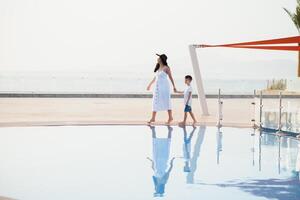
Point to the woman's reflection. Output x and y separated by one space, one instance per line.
160 159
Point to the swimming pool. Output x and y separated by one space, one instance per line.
139 162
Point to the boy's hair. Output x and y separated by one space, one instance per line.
189 77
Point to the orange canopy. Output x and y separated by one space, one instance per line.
264 44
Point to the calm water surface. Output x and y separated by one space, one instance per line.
139 162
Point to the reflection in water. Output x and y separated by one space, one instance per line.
286 157
219 138
279 153
297 166
279 189
290 154
79 167
273 188
187 148
253 147
195 156
259 150
160 159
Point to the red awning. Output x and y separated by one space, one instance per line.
263 44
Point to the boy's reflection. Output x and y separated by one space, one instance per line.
161 154
195 155
191 159
187 148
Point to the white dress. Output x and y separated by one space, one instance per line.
161 93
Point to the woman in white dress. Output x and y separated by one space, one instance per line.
162 93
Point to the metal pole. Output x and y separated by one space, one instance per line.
254 110
280 112
198 79
220 107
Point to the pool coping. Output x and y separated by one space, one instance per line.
120 95
115 123
6 198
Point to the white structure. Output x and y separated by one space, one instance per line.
198 79
293 85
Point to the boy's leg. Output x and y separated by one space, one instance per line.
184 119
193 117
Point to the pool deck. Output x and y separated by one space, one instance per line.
237 112
5 198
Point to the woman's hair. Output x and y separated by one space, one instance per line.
163 59
156 67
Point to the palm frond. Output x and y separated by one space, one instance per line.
295 17
289 12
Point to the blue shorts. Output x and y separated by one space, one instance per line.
187 108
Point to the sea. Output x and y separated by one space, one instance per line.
111 83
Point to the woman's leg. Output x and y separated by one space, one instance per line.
170 116
170 129
153 117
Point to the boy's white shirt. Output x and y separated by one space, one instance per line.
186 93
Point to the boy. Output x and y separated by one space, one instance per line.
187 93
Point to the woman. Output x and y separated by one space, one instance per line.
162 93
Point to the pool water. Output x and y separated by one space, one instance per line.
140 162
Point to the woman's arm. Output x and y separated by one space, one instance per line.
171 165
152 163
150 84
179 92
168 71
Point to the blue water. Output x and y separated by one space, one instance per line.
139 162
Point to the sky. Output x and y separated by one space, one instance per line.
117 36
